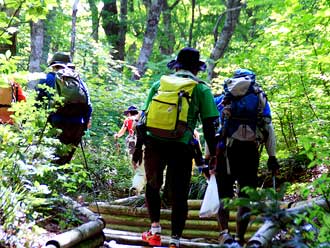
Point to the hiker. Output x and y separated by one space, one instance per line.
128 126
73 117
169 146
243 131
8 95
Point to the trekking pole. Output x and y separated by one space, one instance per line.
89 176
274 180
40 137
42 132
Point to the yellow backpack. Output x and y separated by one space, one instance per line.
166 116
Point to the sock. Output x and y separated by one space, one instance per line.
155 229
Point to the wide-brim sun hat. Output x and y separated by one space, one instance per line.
189 59
60 59
131 109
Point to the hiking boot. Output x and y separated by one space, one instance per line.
133 191
152 239
225 238
174 242
239 241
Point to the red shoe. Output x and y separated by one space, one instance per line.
152 239
174 242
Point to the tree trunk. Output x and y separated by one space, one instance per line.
95 19
149 38
95 30
191 28
122 29
222 40
110 25
168 40
37 43
73 28
48 27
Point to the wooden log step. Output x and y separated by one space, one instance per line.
95 241
136 200
187 233
73 237
143 212
137 221
124 239
190 224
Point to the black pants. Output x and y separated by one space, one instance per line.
68 119
178 159
243 165
71 134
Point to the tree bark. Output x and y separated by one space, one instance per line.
222 40
191 28
168 40
95 20
110 24
95 31
122 30
149 38
73 28
48 24
37 43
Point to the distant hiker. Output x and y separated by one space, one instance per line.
73 116
246 125
9 94
174 105
128 126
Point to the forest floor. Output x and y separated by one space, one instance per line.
35 236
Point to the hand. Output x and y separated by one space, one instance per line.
137 157
273 165
89 124
213 164
115 135
135 165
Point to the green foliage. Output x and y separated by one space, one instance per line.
298 228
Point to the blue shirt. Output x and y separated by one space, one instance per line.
50 82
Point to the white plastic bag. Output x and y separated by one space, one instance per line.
211 202
139 179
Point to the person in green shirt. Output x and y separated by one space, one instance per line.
176 154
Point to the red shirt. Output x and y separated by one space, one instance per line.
129 124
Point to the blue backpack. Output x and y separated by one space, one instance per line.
244 104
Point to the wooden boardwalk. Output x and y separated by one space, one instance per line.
125 224
117 238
